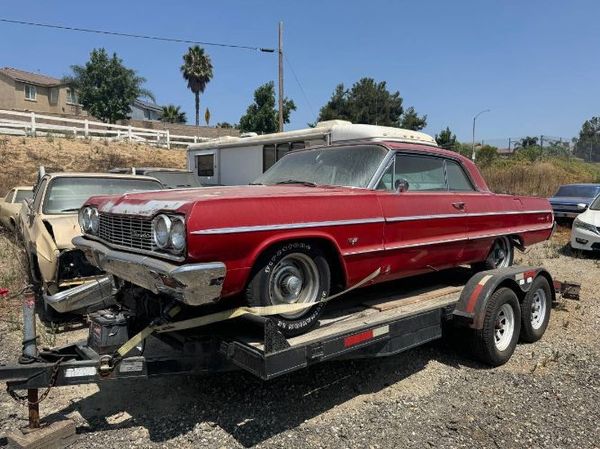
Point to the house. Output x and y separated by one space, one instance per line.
144 110
26 91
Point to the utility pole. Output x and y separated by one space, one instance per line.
280 76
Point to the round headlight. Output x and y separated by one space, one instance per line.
162 230
85 219
177 238
94 221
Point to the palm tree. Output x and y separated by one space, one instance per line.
172 114
197 70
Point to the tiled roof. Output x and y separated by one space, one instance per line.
31 78
147 105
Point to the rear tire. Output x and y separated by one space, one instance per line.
535 310
496 341
291 273
501 255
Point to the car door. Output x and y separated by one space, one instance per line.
489 215
33 209
425 225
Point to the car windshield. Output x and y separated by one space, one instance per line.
175 179
575 191
23 195
352 166
67 194
596 204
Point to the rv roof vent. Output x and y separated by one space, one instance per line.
327 123
248 135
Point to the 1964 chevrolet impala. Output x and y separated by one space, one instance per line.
319 221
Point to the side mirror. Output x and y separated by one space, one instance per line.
582 206
401 185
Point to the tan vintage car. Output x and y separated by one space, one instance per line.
11 204
49 223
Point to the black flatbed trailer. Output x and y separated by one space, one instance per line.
371 322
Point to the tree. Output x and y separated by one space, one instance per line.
486 155
261 116
370 103
445 139
527 142
587 145
207 116
225 125
173 114
105 87
197 70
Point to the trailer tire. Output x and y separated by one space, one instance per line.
496 341
291 273
535 310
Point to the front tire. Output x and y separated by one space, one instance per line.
496 341
291 273
535 310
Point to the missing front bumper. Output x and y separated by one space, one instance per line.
192 284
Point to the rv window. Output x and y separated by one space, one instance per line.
297 145
268 157
205 164
282 149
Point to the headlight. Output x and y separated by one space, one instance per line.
577 223
162 230
177 237
85 218
94 221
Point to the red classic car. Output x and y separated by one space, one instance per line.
320 220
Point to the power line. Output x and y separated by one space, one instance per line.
135 36
300 85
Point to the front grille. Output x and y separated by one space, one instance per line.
122 230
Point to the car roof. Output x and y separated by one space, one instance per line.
23 188
97 175
582 184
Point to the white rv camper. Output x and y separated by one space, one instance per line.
240 160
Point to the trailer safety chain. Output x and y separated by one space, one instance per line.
164 323
24 400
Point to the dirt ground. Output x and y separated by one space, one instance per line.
548 395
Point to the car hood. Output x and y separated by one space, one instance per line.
182 200
591 217
570 200
64 229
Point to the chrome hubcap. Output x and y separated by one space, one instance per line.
294 279
504 327
501 253
538 308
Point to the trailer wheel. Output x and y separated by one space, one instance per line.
291 273
535 310
495 342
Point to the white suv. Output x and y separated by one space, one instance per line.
585 234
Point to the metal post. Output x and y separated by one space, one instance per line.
34 408
30 350
475 118
33 124
280 76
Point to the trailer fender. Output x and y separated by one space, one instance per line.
470 309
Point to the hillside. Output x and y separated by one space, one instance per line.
23 156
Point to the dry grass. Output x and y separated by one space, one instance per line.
13 277
540 178
23 156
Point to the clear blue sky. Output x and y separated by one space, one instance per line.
535 63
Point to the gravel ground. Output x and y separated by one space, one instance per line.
548 395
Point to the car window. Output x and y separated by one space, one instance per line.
596 204
23 195
578 191
9 196
67 194
457 178
423 173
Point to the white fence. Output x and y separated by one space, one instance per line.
33 124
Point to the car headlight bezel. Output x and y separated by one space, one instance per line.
161 231
578 223
85 219
177 235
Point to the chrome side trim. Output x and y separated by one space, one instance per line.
277 227
465 214
440 242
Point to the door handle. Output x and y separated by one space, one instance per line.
459 205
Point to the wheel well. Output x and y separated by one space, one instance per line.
334 259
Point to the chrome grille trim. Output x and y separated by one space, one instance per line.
126 231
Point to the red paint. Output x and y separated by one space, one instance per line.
355 339
473 298
408 246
